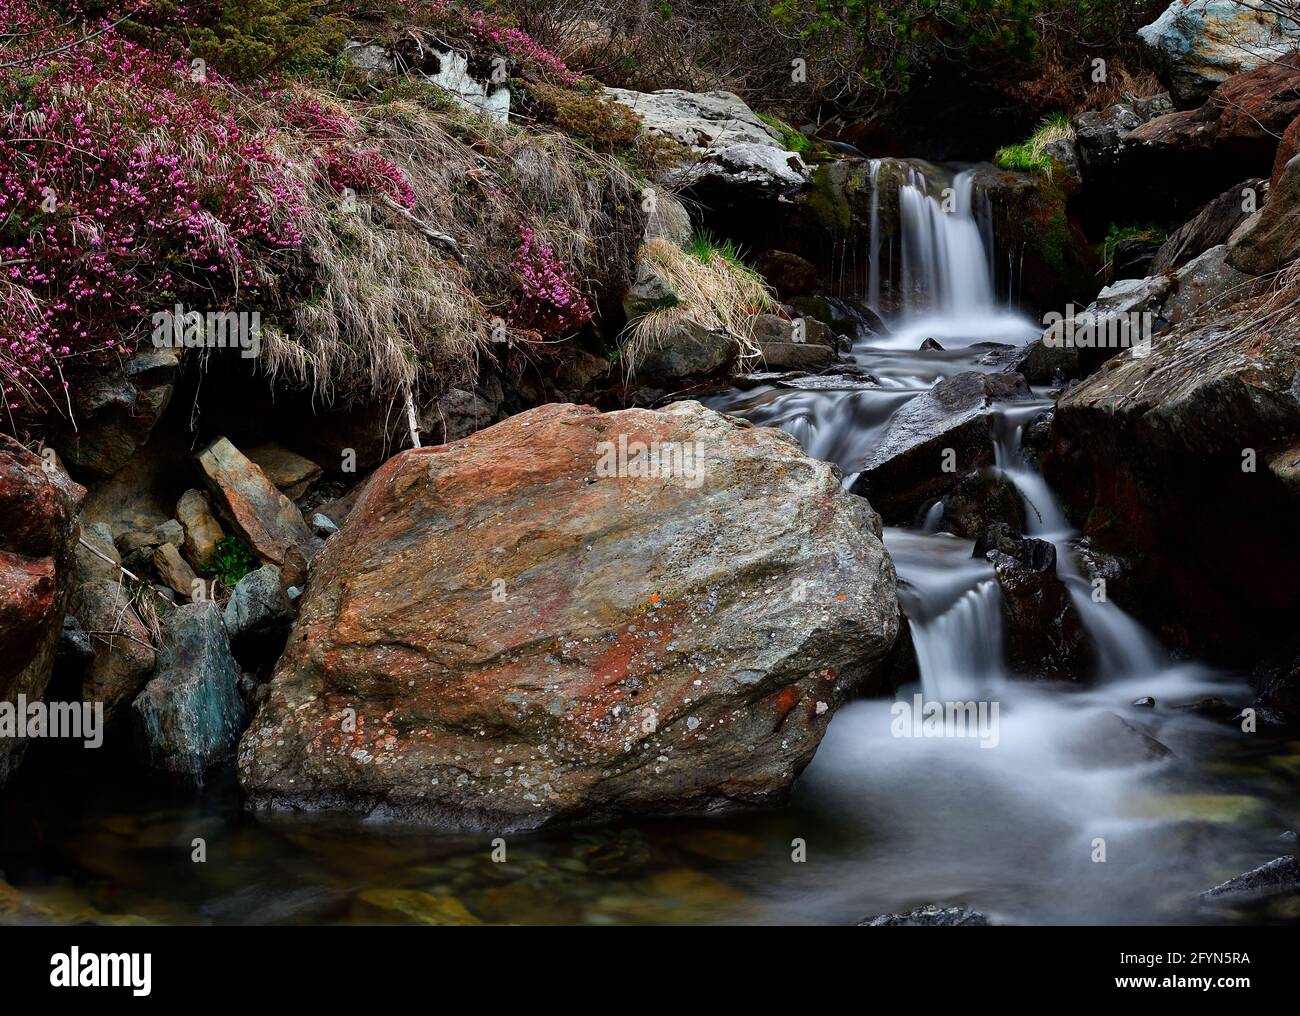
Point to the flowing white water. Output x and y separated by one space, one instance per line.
1014 827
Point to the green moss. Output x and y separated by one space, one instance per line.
828 200
794 140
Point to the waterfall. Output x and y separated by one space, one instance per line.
1008 820
873 289
946 261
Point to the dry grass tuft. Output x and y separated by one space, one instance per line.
714 289
399 300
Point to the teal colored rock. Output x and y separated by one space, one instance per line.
189 716
1200 44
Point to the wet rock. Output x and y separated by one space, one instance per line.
265 518
1108 741
932 441
202 530
795 355
189 716
1278 680
38 538
529 631
409 906
931 344
291 473
1282 874
1211 226
1212 706
1032 214
1273 240
1041 363
121 643
1145 702
978 500
1186 433
1199 44
931 916
1043 634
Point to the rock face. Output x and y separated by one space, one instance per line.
1195 432
1036 227
263 516
734 150
528 626
1171 165
1272 241
38 538
1201 43
1210 227
934 440
116 413
190 715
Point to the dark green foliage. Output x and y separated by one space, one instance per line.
248 38
231 561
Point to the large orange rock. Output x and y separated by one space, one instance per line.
38 538
526 626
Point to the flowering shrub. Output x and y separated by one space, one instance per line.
494 33
123 188
551 301
367 172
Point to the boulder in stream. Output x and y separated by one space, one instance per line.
574 615
1043 634
933 441
931 916
190 715
1178 460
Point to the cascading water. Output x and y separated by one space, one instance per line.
1011 828
946 264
